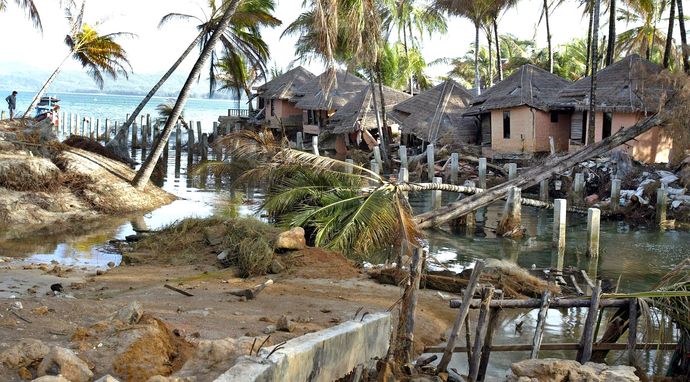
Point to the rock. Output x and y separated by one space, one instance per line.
160 378
224 258
51 378
25 374
61 361
213 356
149 349
291 240
106 378
214 235
130 314
591 199
41 310
110 265
17 305
276 267
558 370
23 354
285 325
270 329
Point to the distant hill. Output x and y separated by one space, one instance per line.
25 78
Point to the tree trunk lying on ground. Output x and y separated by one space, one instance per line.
534 175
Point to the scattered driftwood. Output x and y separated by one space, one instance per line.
251 293
20 317
180 291
534 175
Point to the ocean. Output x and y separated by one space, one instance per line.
116 107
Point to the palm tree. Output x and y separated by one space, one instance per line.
645 38
237 76
243 36
683 36
669 34
142 176
545 16
593 87
611 45
29 7
498 7
476 11
98 54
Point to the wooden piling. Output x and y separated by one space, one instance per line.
482 173
148 128
315 145
480 333
135 135
403 156
107 130
559 220
404 177
349 168
587 339
541 321
69 125
454 168
374 166
632 331
578 188
190 144
512 171
488 341
377 156
217 148
593 218
430 161
198 133
544 190
99 136
78 126
3 115
512 213
461 316
615 194
661 205
178 139
437 195
299 141
62 123
552 145
204 147
89 122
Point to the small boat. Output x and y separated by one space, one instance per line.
48 108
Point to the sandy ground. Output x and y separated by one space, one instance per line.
212 313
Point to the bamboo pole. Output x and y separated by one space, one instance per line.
462 315
539 330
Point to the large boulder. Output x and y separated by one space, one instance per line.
61 361
130 314
51 378
291 240
559 370
24 353
213 357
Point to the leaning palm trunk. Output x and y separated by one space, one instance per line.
548 34
142 177
45 86
476 59
683 37
611 47
669 35
122 133
593 86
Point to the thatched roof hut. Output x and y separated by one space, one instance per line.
528 86
310 96
435 113
284 86
361 108
632 84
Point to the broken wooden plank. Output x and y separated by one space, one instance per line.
180 291
541 321
251 293
480 334
587 339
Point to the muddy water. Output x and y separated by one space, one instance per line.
634 257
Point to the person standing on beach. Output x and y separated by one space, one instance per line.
12 103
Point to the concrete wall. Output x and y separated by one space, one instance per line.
521 131
322 356
654 146
560 131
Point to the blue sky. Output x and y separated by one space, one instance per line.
154 50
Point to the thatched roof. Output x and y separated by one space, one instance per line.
361 108
529 85
629 85
310 96
433 113
284 86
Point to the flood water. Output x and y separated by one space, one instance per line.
635 258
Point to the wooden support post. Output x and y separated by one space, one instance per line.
461 317
541 320
89 124
593 217
144 134
544 190
204 147
480 333
488 341
107 130
512 214
217 148
80 126
62 123
559 217
99 135
578 188
135 135
552 145
315 145
615 194
190 144
69 125
410 295
198 134
482 173
349 168
403 156
404 177
430 161
300 141
374 165
632 331
3 115
587 340
178 139
454 168
661 205
377 157
512 171
437 195
148 127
